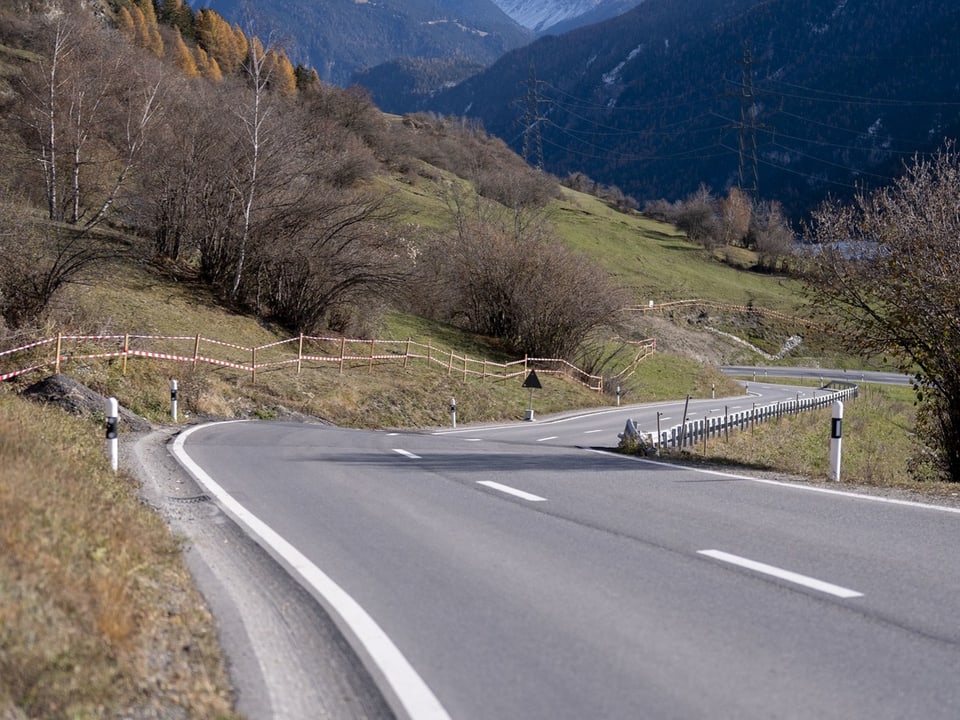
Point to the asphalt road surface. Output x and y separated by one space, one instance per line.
852 376
517 572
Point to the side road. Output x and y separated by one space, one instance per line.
287 660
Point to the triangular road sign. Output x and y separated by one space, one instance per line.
532 381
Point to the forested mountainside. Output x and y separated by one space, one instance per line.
798 99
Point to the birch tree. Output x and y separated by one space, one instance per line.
87 117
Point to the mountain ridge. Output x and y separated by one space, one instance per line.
664 98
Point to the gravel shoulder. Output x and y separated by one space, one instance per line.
286 658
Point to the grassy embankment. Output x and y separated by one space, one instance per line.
878 447
98 614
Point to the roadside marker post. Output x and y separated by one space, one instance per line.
836 433
453 412
173 399
113 411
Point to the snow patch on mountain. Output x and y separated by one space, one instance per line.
540 14
613 76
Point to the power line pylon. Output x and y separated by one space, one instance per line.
532 138
747 126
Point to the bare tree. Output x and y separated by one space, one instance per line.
526 289
343 252
88 106
771 235
254 117
735 214
88 112
182 196
886 272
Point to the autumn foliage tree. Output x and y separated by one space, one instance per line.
886 274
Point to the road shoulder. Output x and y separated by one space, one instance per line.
285 656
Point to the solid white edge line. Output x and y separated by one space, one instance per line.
403 688
780 483
511 491
789 576
406 454
552 437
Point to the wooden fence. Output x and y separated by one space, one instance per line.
303 352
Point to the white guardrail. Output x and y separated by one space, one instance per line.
694 432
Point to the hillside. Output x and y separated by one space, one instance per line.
832 96
347 206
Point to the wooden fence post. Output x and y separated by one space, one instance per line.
300 355
126 349
450 364
56 362
464 368
370 366
253 365
343 343
196 351
406 355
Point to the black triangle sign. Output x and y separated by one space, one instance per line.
532 381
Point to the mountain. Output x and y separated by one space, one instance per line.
404 84
796 98
340 37
602 10
401 85
553 16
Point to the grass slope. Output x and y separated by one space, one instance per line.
98 615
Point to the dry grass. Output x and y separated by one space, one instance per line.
98 616
877 442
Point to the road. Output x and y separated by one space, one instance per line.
513 572
854 376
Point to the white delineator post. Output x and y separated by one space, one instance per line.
453 412
113 411
836 432
173 399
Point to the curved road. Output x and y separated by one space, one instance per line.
513 572
761 372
